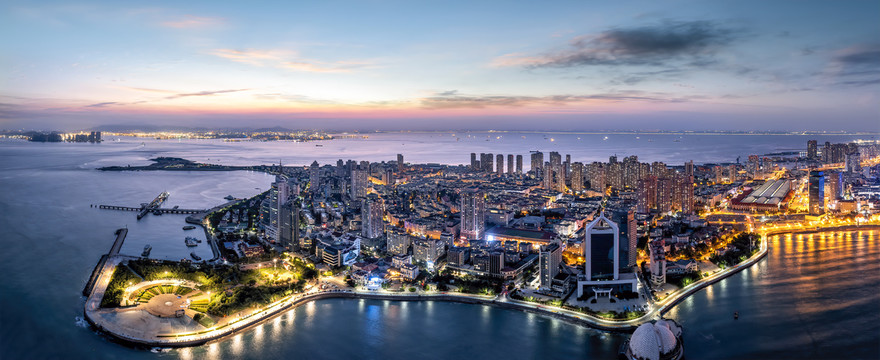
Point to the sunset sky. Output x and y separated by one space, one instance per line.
580 65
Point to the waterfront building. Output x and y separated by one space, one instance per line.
519 164
817 192
510 164
474 162
547 180
338 252
409 272
499 167
427 251
548 264
473 214
770 196
397 241
372 224
812 149
400 166
602 265
656 340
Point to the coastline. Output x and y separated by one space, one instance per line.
573 317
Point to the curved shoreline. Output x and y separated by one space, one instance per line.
569 316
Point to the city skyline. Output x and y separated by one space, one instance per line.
669 66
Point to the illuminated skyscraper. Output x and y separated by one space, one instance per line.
359 183
473 214
314 177
372 225
817 192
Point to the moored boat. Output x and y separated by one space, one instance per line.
147 249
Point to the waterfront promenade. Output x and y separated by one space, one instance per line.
187 334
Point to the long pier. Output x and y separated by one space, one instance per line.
161 210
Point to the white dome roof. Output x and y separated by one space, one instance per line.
650 340
643 343
665 339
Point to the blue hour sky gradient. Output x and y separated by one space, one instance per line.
580 65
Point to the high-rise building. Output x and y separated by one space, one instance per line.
547 180
487 161
314 177
812 149
597 177
659 169
826 152
685 193
457 256
817 192
473 214
427 251
289 233
496 262
853 162
372 224
400 167
646 195
835 186
519 164
537 164
359 183
510 164
631 169
624 217
474 165
577 177
615 175
601 250
689 168
719 174
397 241
657 248
548 263
499 167
665 189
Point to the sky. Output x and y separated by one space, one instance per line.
442 65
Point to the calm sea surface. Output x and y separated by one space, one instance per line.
814 296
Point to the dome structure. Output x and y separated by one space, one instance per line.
655 341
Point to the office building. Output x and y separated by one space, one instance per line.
397 241
817 192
